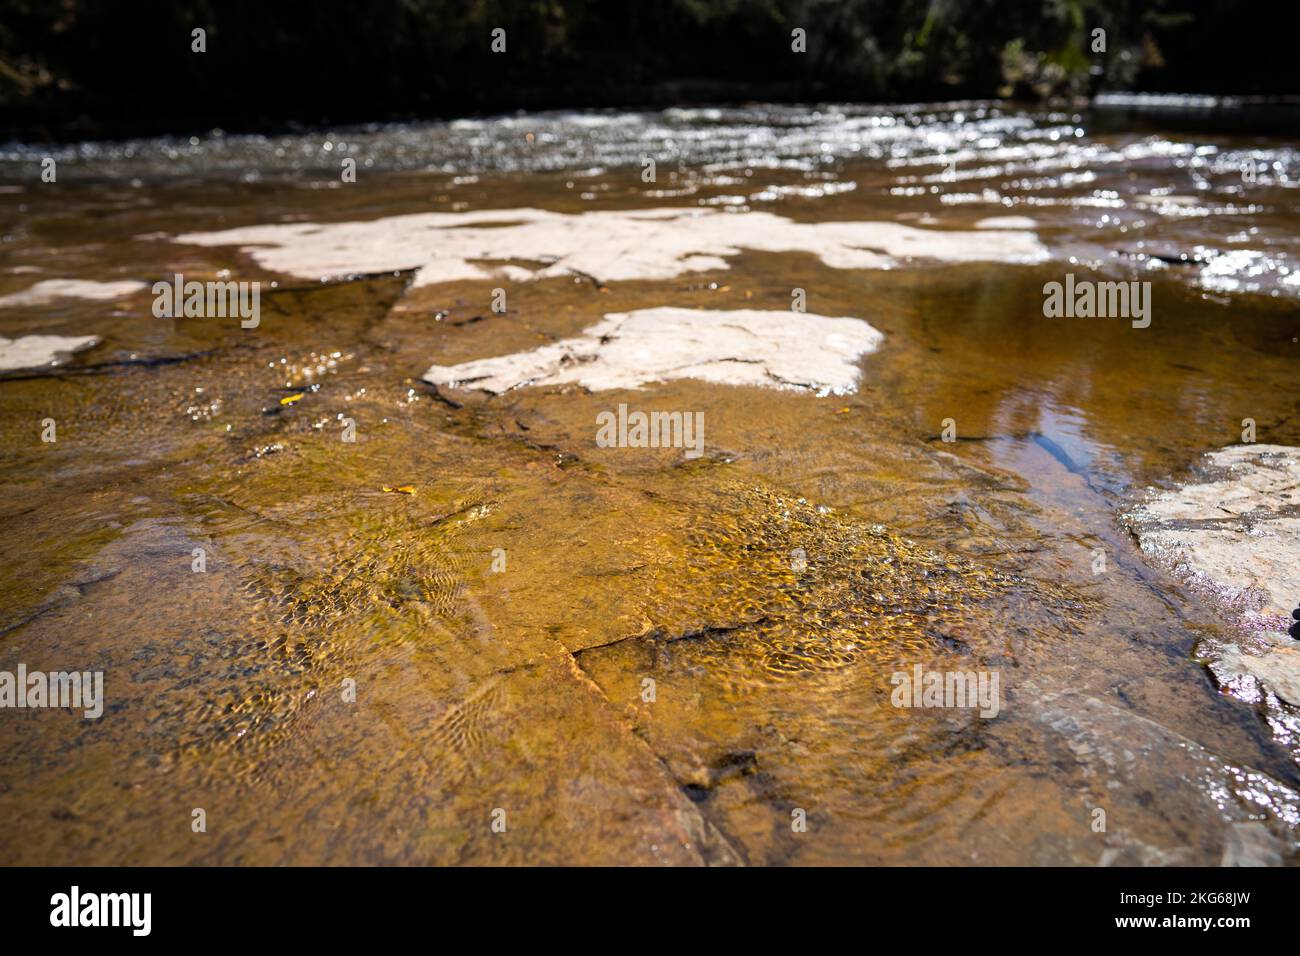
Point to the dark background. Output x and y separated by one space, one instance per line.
94 68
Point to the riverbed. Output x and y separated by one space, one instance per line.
366 587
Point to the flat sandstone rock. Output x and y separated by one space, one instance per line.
1234 537
41 351
630 349
51 289
610 245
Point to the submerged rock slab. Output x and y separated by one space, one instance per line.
1237 813
609 245
52 289
630 349
41 351
1234 537
777 586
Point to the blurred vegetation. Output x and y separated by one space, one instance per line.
81 67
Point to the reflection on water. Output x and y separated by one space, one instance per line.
1112 200
501 617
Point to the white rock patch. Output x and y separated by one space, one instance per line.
609 245
1235 538
1006 222
40 351
631 349
1240 531
51 289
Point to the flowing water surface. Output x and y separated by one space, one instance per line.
638 656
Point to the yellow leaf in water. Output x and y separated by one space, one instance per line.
400 489
843 411
290 399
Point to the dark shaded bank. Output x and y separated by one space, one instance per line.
92 68
1153 113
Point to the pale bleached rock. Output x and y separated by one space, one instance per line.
1006 222
1236 533
49 290
609 245
41 351
1273 664
631 349
1234 537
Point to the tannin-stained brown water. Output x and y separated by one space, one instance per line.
473 614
